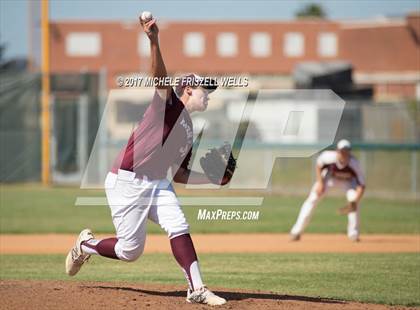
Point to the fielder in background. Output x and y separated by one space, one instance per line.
335 169
137 189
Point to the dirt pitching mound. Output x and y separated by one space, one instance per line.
72 295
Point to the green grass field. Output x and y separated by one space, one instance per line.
33 209
374 278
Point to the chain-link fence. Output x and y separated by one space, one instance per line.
20 133
391 171
385 135
74 110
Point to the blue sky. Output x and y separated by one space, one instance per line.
14 13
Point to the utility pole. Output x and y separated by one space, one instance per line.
45 100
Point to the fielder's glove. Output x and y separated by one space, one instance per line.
350 207
219 164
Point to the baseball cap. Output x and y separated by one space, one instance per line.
194 80
343 144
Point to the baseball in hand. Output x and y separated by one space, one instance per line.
146 16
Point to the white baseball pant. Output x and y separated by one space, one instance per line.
313 199
132 201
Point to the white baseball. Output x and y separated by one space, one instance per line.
146 16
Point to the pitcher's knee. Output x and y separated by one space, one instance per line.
178 231
130 255
128 252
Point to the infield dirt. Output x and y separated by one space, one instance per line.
228 243
118 296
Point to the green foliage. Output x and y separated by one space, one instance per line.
311 10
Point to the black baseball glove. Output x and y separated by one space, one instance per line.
219 164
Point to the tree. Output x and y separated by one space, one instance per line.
311 10
2 51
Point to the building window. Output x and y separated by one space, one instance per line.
294 44
227 44
83 44
327 44
194 44
143 45
260 44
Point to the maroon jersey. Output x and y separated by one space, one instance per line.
161 139
328 161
